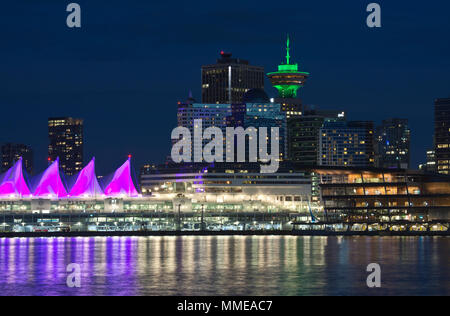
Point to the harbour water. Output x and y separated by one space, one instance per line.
228 265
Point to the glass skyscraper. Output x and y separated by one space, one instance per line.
11 154
211 115
347 144
392 144
442 134
66 142
303 135
229 79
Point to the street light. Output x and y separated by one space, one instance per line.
202 228
179 215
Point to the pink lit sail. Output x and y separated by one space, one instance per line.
121 183
86 184
13 183
50 184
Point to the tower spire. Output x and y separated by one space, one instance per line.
288 79
288 56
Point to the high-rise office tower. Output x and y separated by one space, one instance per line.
226 81
348 144
442 134
211 115
257 111
12 152
287 80
430 165
392 144
66 142
303 135
431 161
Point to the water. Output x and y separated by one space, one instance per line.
225 265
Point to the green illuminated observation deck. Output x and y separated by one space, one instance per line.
288 79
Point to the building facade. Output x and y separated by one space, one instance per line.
260 112
347 144
293 107
385 199
229 79
303 135
174 197
431 161
392 143
268 115
255 111
66 142
11 154
211 115
222 197
442 134
231 187
430 164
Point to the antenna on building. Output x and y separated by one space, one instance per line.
288 56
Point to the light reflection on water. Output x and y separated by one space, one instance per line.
250 265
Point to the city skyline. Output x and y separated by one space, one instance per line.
373 80
225 154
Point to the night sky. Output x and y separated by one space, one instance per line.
131 61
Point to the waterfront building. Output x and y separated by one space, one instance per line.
228 80
147 168
231 187
442 134
50 184
86 183
11 154
121 183
347 144
303 135
66 142
53 185
381 199
392 144
220 197
174 197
